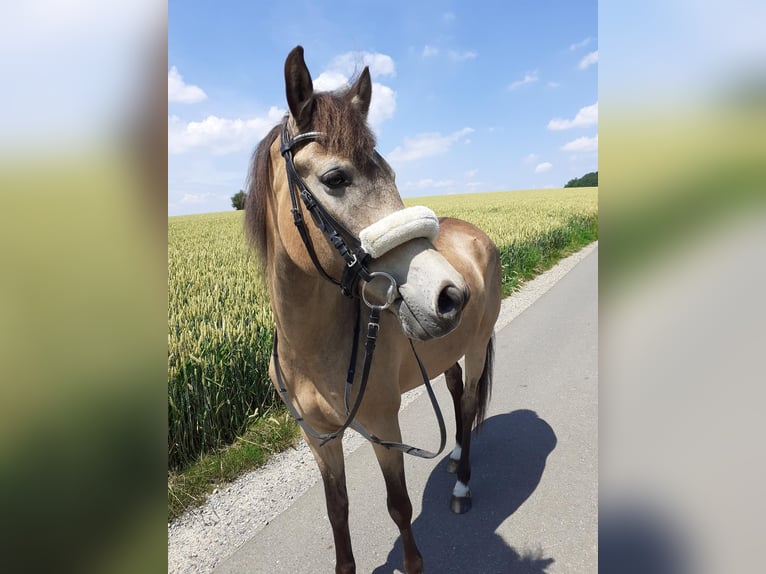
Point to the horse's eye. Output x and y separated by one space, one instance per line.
335 178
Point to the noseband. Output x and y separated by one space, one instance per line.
373 241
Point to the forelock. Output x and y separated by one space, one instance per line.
344 127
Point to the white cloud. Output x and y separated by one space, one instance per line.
471 173
543 167
553 84
583 144
180 91
383 104
337 76
580 44
454 55
428 183
529 78
426 145
457 56
226 135
448 16
531 158
220 135
351 62
589 59
194 198
587 116
329 81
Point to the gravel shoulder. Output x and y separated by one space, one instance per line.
199 539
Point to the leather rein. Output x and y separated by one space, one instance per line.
356 258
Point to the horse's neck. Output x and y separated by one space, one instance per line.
310 312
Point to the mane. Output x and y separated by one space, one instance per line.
346 134
258 186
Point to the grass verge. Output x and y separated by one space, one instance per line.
523 261
269 434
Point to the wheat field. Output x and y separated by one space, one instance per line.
220 324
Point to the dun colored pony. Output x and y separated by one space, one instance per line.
315 186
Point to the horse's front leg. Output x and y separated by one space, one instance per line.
398 500
329 457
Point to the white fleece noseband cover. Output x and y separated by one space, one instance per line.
397 228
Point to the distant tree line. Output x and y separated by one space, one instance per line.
588 180
238 200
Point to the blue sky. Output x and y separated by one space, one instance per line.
467 97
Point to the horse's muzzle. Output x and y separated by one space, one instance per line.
424 320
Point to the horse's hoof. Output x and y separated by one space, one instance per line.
460 504
414 567
452 465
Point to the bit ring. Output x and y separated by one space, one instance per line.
390 292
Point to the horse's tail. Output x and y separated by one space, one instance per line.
484 391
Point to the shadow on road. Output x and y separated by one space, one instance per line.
638 536
508 458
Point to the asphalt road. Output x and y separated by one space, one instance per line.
534 465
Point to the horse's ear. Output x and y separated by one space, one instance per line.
300 88
360 94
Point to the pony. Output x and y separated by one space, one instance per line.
323 212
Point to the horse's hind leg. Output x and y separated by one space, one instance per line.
473 403
332 468
398 500
454 377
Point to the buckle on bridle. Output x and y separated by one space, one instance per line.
390 292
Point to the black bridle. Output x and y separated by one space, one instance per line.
346 243
356 259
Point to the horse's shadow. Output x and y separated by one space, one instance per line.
508 458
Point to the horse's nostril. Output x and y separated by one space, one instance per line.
450 300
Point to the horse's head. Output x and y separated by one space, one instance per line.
327 140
